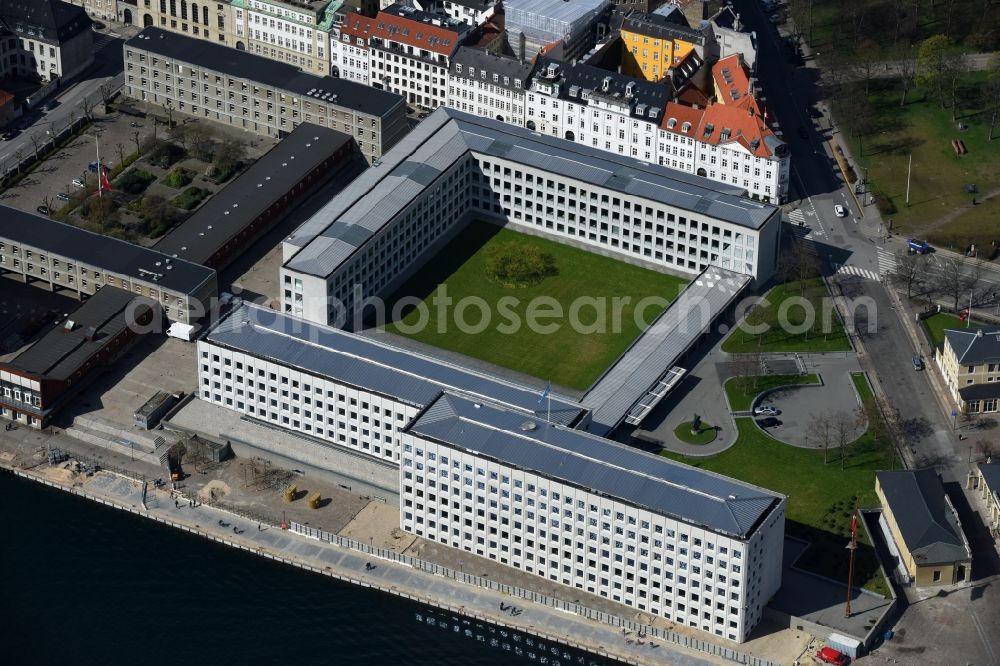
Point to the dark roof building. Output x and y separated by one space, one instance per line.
924 526
975 346
660 26
249 206
40 379
50 21
472 64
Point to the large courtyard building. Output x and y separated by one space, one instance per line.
339 388
57 256
699 549
455 168
268 98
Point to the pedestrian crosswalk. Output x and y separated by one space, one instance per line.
844 269
806 220
886 262
797 217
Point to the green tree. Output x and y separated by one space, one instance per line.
518 264
157 212
933 58
228 156
102 210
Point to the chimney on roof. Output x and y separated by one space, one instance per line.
521 46
979 333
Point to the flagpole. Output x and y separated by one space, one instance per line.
99 172
548 413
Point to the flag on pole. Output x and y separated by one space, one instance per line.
963 315
103 183
545 393
854 524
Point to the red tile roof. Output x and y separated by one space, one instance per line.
732 79
436 39
745 127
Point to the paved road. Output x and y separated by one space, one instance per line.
107 67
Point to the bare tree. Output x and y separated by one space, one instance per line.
986 448
820 434
843 433
869 55
956 68
120 147
87 106
138 145
35 143
954 278
907 71
908 271
168 106
19 156
47 202
106 93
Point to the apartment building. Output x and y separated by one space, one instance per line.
49 39
408 52
489 85
596 108
106 10
57 256
342 389
268 98
654 44
970 363
696 548
454 167
209 20
295 32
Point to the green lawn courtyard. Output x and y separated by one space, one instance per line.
797 303
582 285
821 496
935 325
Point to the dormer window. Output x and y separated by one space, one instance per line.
458 68
671 123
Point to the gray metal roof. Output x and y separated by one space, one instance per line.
265 182
483 61
113 255
551 16
371 365
926 521
373 200
58 354
973 346
663 26
598 465
991 473
265 71
642 97
657 350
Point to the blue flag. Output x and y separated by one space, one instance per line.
545 393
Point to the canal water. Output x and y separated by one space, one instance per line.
81 583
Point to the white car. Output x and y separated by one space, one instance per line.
766 410
840 211
78 183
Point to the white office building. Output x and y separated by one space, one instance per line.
454 168
337 388
696 548
294 32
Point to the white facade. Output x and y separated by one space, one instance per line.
419 76
486 100
349 57
656 563
293 33
471 12
317 406
732 163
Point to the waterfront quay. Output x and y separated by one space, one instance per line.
352 557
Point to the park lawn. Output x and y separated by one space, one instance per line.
741 398
706 435
939 176
566 357
820 496
862 386
935 325
826 334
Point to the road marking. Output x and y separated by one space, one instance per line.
886 262
984 638
844 269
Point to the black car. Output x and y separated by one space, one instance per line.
803 134
44 210
769 422
10 134
97 25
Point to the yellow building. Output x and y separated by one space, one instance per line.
653 44
970 363
924 527
986 479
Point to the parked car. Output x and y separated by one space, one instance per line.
97 25
918 363
43 210
831 656
10 134
767 410
62 196
918 246
78 183
840 211
769 422
51 105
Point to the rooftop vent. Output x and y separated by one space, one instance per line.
529 426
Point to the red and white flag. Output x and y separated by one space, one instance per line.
104 184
